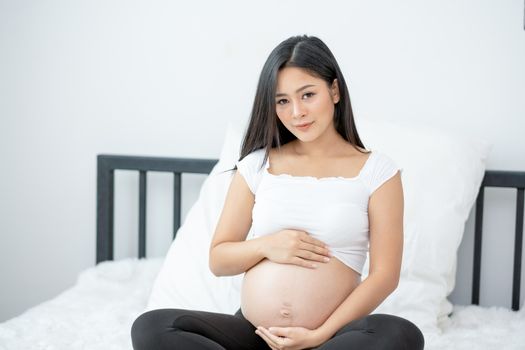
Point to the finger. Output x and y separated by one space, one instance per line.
279 341
308 255
280 331
309 239
304 263
315 248
265 337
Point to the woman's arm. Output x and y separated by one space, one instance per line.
231 254
385 212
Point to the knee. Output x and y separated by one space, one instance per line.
400 331
145 330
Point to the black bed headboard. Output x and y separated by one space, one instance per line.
107 164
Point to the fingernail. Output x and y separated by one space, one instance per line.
326 259
314 266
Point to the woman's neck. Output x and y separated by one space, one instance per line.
320 148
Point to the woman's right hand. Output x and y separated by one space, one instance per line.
295 247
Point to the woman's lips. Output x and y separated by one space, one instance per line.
304 127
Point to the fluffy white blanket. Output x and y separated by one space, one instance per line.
97 313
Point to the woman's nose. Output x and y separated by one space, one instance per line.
298 110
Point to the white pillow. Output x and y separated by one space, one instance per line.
442 172
441 176
185 280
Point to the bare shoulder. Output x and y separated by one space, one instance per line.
353 160
280 154
358 151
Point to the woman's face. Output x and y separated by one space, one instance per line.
302 98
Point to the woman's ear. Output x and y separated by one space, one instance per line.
335 91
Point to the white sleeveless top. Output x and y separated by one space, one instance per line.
331 209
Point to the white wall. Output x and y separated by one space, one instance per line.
79 78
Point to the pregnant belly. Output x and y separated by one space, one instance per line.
284 295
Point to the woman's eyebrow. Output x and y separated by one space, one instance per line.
296 91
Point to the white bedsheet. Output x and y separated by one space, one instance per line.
97 313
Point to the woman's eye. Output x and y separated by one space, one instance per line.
284 101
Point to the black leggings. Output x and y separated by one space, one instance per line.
173 329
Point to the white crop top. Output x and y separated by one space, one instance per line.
331 209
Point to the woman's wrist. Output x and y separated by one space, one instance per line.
320 336
260 250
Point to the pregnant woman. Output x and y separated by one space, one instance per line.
306 203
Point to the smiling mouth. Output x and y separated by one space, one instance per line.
303 125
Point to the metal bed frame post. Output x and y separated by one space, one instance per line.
105 190
505 179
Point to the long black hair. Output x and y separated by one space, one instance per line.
311 54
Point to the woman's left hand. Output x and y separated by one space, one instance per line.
289 338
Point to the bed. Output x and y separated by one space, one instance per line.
98 311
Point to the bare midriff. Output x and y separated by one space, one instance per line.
281 295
